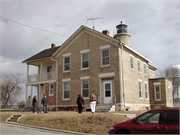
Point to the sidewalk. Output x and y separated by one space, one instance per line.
128 115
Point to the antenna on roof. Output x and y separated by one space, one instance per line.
92 19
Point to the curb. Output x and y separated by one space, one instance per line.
44 128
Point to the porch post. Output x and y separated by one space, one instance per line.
27 72
31 91
26 94
40 74
39 95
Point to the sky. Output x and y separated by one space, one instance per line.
154 27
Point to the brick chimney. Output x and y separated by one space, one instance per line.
53 45
106 32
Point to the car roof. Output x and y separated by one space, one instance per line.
167 108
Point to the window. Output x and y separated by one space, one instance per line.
169 91
157 91
66 63
51 89
170 117
132 63
49 72
146 91
140 90
105 57
139 66
145 69
85 88
149 117
66 90
85 60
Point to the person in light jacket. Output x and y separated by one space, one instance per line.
93 99
44 101
80 103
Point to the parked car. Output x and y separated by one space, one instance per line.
155 121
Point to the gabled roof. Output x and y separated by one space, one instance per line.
94 32
43 54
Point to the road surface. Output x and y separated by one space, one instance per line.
13 129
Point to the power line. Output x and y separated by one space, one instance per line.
32 26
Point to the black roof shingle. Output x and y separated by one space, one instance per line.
43 54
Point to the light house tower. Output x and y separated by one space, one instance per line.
123 34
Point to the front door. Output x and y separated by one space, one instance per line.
107 92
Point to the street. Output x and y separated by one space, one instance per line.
13 129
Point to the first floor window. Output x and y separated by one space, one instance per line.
140 90
157 92
51 90
85 88
66 90
146 91
105 57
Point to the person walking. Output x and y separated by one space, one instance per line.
44 101
35 103
93 99
80 103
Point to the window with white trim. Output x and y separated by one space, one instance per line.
139 66
51 89
157 91
49 72
66 90
85 60
140 89
66 63
169 91
145 69
105 57
132 62
146 91
85 88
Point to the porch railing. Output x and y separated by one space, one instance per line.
113 100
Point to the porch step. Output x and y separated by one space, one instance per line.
102 108
14 118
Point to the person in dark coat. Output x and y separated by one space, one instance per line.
44 101
35 103
80 103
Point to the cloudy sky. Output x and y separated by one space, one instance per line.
154 26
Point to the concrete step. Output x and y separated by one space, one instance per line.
14 118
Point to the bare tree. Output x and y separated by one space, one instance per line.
11 88
21 104
172 73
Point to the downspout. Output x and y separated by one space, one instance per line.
122 76
56 83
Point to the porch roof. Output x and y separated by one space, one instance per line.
43 54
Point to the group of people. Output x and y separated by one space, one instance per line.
44 101
92 99
80 103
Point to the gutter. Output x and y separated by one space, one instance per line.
56 82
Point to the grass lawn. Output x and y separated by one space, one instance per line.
86 122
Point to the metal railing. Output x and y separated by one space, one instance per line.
113 100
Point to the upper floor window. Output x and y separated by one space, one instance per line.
132 62
139 66
145 72
85 60
105 57
49 72
51 89
85 88
66 63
